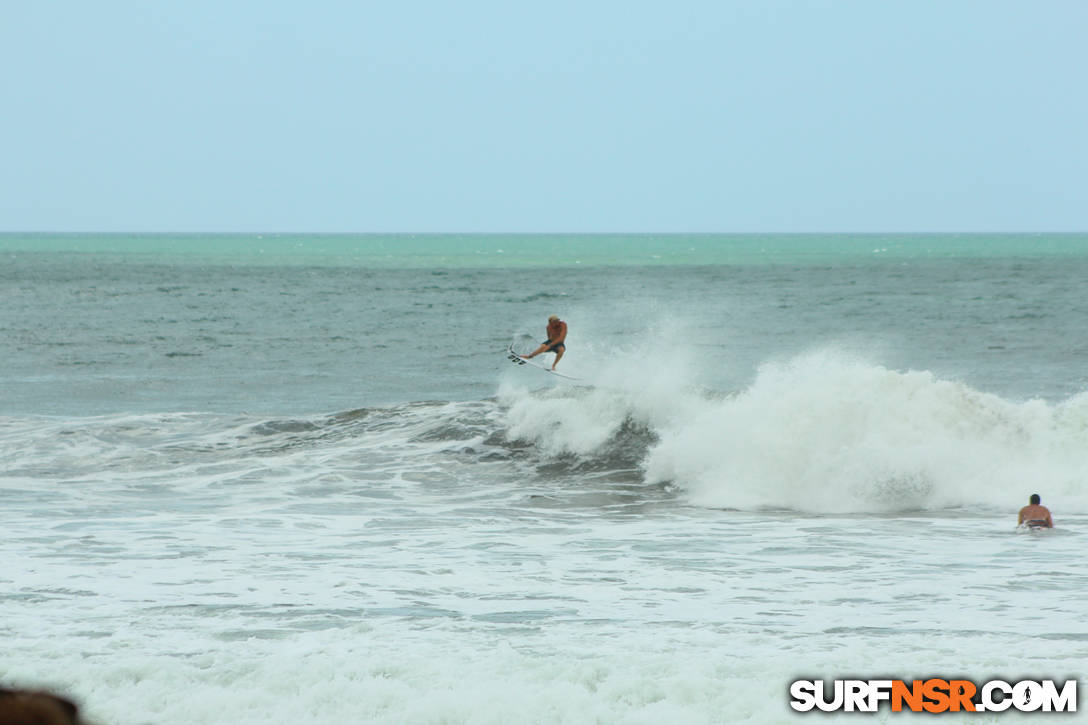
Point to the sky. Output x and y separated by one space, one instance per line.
724 116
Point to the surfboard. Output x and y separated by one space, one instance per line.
519 360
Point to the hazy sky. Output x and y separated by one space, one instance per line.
413 116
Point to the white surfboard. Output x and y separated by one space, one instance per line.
1026 529
519 360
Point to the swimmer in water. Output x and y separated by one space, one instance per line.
1035 515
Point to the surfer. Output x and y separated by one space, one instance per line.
1035 515
557 333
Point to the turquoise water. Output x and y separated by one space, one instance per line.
499 250
292 325
98 324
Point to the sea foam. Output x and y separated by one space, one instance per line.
823 432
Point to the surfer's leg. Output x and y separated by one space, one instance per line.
559 350
543 348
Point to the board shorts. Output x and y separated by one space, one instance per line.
1037 524
553 347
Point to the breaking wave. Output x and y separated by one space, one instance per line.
822 433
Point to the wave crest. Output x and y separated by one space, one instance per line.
826 433
822 433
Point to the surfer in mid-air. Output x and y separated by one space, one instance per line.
557 333
1035 515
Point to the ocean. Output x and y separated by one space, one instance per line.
294 479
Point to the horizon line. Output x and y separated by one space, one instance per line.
976 232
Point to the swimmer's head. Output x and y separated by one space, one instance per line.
1035 499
